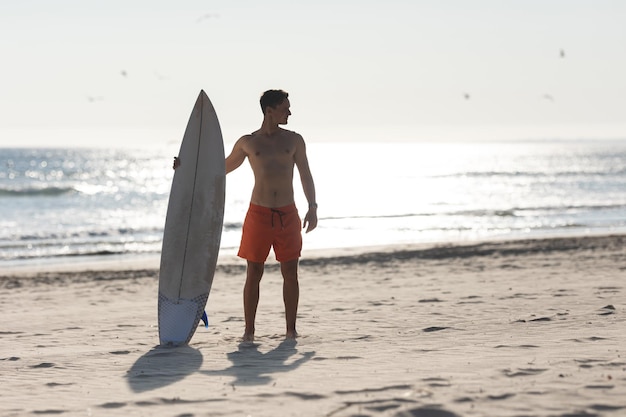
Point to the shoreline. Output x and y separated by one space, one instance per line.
229 255
148 265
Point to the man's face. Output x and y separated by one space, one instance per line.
281 112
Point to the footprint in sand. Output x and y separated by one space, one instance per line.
437 382
112 405
607 310
44 365
434 329
500 397
426 412
522 372
430 300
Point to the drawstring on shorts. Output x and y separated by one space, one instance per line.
280 217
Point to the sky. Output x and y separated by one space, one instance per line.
121 72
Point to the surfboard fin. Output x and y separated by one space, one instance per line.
205 320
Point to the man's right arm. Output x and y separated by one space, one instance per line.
232 161
236 157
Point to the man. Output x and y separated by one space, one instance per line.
272 219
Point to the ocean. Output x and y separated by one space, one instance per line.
59 204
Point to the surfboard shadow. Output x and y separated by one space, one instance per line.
253 367
163 366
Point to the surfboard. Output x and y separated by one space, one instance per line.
193 227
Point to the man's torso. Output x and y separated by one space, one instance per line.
272 161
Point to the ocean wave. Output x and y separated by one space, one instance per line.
15 239
122 234
48 246
22 256
566 208
46 191
506 212
534 174
229 226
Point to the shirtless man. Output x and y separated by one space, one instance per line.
272 219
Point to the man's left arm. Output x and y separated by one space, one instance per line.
308 186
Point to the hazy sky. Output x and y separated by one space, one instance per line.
113 71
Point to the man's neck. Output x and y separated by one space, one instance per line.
269 128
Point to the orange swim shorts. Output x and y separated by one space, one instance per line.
265 228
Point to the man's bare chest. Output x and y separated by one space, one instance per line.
271 150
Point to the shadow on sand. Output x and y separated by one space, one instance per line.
253 367
163 366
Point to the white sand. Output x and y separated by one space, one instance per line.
524 328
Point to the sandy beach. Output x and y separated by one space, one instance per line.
513 328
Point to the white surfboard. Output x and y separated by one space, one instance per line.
193 227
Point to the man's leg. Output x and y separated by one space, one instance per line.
291 294
254 274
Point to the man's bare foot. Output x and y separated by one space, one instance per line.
291 334
248 337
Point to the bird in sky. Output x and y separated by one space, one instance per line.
208 16
160 76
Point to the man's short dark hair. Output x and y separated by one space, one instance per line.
272 98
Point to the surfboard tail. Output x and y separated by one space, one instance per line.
178 319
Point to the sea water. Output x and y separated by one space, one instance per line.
76 202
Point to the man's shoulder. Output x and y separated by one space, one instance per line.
291 134
288 132
246 138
